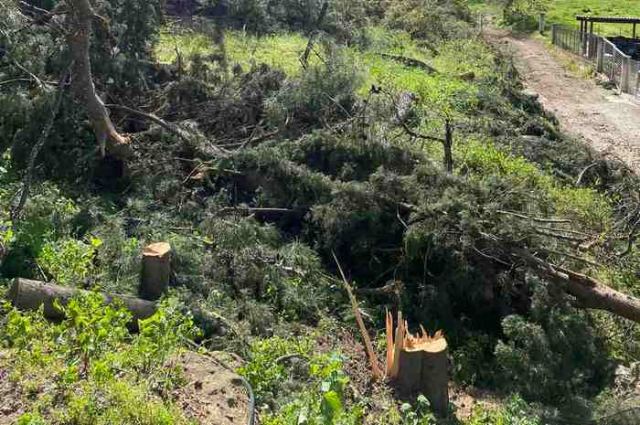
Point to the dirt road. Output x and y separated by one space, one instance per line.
608 122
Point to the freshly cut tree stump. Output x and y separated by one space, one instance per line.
418 364
156 270
28 294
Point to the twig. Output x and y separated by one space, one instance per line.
559 236
408 129
373 360
172 128
286 357
572 256
538 219
583 172
28 177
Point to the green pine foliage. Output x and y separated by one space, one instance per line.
316 162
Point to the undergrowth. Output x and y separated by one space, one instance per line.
340 156
97 372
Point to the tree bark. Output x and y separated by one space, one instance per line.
28 294
156 270
424 370
109 140
589 292
418 364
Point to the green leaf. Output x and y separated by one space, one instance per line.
331 406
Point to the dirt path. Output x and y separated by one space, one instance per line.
608 122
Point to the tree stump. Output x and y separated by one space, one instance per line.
156 270
28 294
419 364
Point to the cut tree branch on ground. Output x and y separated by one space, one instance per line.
170 127
373 359
411 62
589 292
536 219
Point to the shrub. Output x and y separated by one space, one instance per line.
429 20
323 94
515 412
68 261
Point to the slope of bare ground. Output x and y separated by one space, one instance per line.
606 121
211 394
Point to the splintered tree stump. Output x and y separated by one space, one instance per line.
27 294
418 364
424 370
156 270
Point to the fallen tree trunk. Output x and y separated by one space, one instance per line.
79 41
589 292
27 294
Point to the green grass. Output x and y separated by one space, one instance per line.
280 51
564 12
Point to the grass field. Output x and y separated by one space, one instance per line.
564 12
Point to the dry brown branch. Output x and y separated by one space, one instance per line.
373 359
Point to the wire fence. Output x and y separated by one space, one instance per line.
619 67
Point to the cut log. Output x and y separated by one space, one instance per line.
419 364
156 270
27 294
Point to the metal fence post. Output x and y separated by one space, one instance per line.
626 71
541 24
600 55
554 34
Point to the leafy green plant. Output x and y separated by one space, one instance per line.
263 371
515 412
69 261
324 403
418 414
94 370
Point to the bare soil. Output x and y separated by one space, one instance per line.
607 121
212 394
